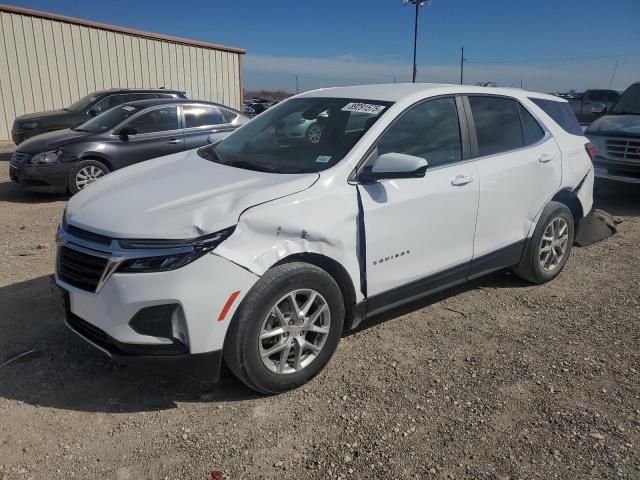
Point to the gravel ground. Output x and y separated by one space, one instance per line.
493 380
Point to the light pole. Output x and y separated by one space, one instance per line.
418 4
297 85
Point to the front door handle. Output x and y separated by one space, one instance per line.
545 158
174 141
461 180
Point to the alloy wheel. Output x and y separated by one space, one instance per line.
314 134
87 175
554 243
294 331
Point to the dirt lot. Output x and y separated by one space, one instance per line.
494 380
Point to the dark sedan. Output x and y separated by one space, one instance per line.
32 124
68 160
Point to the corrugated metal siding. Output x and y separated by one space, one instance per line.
47 64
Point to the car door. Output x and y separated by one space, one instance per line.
155 132
519 164
204 124
419 231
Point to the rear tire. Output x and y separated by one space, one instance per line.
267 321
84 173
549 248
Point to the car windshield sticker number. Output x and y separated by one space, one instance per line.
323 158
363 108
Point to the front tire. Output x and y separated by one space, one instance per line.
84 173
286 329
550 246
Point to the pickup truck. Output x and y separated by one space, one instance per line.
616 137
584 104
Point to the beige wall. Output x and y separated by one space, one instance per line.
47 64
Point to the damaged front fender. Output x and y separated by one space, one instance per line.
324 223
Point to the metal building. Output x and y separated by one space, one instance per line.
49 61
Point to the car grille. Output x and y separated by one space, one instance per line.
17 158
624 149
80 269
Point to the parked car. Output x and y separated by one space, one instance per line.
69 160
262 254
616 137
27 126
587 104
255 108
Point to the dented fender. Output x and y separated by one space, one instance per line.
322 221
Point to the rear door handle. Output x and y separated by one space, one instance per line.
461 180
545 158
175 141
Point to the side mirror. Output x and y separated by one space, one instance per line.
95 110
599 109
124 132
394 165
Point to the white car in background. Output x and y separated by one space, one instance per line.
261 253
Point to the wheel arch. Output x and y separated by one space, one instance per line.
568 197
98 158
338 272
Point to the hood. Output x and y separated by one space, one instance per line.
616 125
180 196
32 117
51 140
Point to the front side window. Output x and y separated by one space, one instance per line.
532 132
82 104
108 120
263 145
430 130
202 116
497 122
157 120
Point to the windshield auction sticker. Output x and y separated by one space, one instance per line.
363 108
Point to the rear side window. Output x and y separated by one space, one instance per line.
532 132
229 116
561 113
497 122
202 116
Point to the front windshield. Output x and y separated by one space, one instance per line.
82 104
109 119
629 103
302 135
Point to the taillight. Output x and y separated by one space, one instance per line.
591 150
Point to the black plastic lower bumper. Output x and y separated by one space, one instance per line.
48 178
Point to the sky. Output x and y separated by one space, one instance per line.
548 45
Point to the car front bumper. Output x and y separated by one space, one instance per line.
42 178
202 290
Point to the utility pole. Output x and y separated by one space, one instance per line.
462 60
297 85
418 4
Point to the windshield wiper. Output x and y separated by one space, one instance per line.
249 166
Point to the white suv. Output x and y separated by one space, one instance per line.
262 252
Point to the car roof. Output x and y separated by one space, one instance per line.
394 92
139 90
151 102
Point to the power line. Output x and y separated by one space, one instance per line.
571 59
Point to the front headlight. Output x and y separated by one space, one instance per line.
29 125
46 158
186 252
